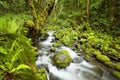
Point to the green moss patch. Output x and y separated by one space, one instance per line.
42 74
67 36
117 74
62 58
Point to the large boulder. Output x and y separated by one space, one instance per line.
62 58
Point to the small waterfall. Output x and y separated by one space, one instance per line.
79 69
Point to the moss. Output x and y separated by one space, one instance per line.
89 53
66 40
78 46
52 49
42 74
56 44
97 52
67 36
87 57
86 45
117 66
117 46
82 40
84 35
110 64
106 46
117 74
103 58
62 58
113 52
59 34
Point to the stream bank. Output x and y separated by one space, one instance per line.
98 46
78 69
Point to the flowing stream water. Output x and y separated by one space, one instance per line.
79 69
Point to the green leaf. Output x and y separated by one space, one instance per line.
2 67
3 50
21 66
14 58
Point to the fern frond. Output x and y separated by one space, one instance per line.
3 50
3 68
20 67
14 58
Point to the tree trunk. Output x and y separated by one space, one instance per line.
87 10
34 14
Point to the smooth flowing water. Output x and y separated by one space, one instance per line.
79 69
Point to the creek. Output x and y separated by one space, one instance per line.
79 69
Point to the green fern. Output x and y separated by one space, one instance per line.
19 67
3 50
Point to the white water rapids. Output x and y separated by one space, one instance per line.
79 69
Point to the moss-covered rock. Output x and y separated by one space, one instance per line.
42 74
117 74
62 58
55 44
113 52
52 49
103 58
82 40
117 46
97 52
117 66
67 36
110 64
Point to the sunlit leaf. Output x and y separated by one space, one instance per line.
21 66
3 50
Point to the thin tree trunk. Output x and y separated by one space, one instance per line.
112 11
87 10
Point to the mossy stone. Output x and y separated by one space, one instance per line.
78 46
110 64
117 66
97 52
117 74
103 58
66 40
62 58
42 74
52 49
117 47
83 40
55 44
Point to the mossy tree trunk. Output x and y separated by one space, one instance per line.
39 11
34 14
40 14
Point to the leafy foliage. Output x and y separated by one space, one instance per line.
17 56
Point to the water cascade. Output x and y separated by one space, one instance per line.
79 69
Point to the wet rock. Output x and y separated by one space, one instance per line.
62 58
52 77
42 66
89 76
52 49
98 71
77 59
